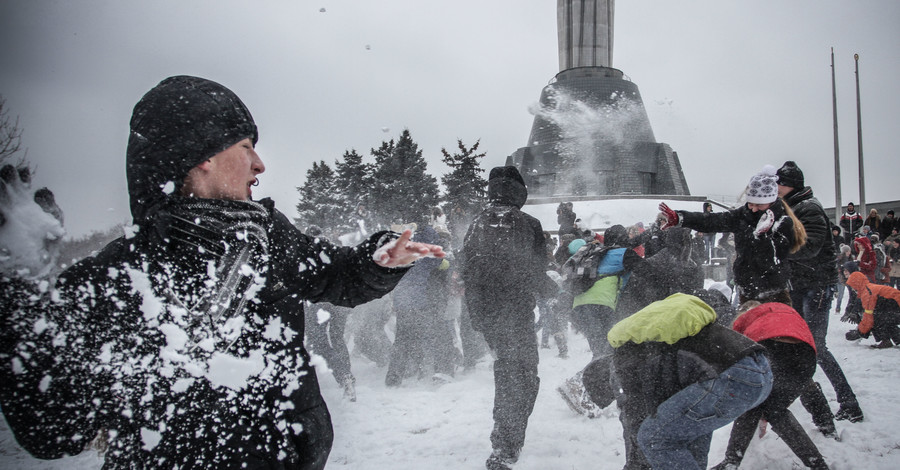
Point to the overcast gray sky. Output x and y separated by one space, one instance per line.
730 85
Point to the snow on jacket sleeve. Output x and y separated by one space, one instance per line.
322 272
47 391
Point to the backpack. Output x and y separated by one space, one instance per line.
580 270
498 248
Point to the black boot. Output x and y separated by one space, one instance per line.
850 412
813 399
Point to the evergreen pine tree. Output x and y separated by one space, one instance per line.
319 203
465 187
353 180
403 191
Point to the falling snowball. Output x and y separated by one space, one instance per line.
368 47
321 10
385 129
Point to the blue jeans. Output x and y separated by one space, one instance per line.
840 295
812 304
679 434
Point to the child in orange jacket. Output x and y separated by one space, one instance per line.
883 299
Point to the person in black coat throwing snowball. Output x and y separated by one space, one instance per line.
181 342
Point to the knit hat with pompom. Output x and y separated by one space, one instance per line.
763 187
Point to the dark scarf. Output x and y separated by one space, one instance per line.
233 235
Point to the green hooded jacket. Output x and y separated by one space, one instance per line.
676 317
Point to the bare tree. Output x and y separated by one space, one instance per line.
10 134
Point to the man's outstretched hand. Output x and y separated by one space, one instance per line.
401 252
31 225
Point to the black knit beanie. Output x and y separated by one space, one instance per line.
790 175
615 235
177 125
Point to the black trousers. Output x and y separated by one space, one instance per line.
793 365
512 337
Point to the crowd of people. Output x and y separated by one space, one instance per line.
191 341
869 274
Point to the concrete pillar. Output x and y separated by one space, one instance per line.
585 33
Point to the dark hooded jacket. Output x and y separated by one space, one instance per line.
668 271
130 341
813 264
517 276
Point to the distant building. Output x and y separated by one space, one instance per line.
591 135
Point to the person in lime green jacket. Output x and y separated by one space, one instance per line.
593 311
683 376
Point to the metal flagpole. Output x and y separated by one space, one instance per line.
837 157
862 176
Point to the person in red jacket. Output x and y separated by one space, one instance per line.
881 311
792 352
868 263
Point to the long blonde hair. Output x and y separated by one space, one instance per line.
799 229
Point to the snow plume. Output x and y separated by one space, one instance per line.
589 131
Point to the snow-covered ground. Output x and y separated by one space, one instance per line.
424 426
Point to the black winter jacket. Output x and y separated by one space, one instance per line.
813 264
666 272
759 265
650 373
116 347
514 279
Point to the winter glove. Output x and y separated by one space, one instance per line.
672 218
31 226
851 317
766 221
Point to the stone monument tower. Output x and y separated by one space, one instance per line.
591 135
